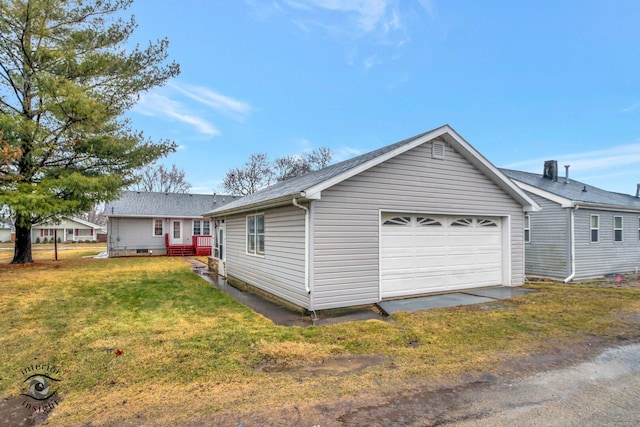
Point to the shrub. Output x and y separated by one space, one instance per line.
59 240
37 240
45 240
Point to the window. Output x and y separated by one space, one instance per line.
527 229
201 228
157 227
617 229
47 232
595 228
639 228
255 234
462 222
427 222
398 220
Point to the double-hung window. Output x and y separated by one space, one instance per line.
157 227
595 228
527 229
617 229
255 234
201 228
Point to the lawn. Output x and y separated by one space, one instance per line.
146 341
46 252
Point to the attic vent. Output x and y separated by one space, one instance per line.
437 150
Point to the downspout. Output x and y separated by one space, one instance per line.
306 244
573 245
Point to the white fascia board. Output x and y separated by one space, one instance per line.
265 204
562 201
318 188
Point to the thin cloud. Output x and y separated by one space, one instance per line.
631 108
614 157
156 105
220 103
344 153
610 168
375 25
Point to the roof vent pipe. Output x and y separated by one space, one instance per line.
566 173
638 190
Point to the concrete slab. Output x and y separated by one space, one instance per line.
435 301
501 292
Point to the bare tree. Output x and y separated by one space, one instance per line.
160 179
254 175
291 166
258 172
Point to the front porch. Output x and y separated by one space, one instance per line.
200 246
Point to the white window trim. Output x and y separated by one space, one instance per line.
591 228
201 222
616 229
153 227
639 228
527 227
246 235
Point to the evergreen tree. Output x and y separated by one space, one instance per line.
66 79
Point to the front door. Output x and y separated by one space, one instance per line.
176 232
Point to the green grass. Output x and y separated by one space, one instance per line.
190 350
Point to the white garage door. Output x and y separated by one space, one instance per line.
432 253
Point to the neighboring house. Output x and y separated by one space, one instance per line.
582 231
66 230
6 232
426 214
145 223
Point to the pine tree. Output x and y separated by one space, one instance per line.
66 79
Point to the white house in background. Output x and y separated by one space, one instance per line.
6 232
67 230
582 231
150 223
427 214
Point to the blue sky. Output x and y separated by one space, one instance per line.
523 82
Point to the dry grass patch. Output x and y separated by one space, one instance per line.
189 351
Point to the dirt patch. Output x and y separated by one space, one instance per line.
343 365
14 413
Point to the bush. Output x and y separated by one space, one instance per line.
59 240
45 240
37 240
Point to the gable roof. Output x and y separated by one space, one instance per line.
175 205
311 185
572 193
54 223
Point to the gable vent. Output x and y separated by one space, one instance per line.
437 150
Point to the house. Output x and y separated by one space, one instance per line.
427 214
66 230
6 232
148 223
582 231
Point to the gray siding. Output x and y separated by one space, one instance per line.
126 235
548 252
606 256
281 270
346 219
